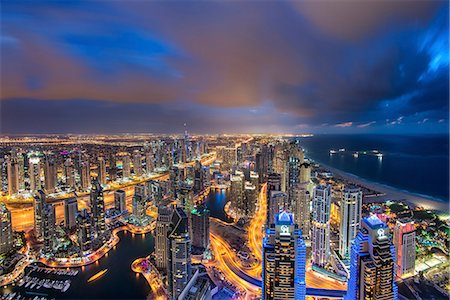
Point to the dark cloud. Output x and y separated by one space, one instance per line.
293 65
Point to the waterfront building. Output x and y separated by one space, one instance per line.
120 200
84 230
284 260
372 268
101 171
13 174
161 239
49 175
97 208
237 191
405 247
126 170
48 227
199 287
179 253
6 232
302 200
34 174
139 202
305 173
185 196
39 201
350 216
320 226
70 212
200 227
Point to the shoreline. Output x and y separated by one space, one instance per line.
390 193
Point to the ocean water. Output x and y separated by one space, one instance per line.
417 164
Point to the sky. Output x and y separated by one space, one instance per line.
224 66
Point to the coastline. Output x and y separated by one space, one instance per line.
391 193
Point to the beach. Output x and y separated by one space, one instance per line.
391 193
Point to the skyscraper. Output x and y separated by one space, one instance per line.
69 172
13 174
126 171
34 173
101 170
49 175
161 240
350 216
85 176
120 200
284 260
70 212
6 232
84 230
48 227
302 199
39 201
139 202
180 253
277 202
295 159
200 227
149 161
320 227
137 163
372 269
98 208
405 246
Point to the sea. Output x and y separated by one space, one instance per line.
415 164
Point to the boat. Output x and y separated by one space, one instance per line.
355 154
342 150
380 155
98 275
333 151
66 286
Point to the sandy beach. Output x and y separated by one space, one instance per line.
391 193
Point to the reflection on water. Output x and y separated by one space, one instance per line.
216 202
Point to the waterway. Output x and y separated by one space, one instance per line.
119 282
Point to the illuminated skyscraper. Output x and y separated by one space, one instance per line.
200 227
372 268
277 202
126 171
70 212
85 176
84 230
98 208
284 260
49 175
120 200
13 174
139 201
149 161
137 163
302 200
350 216
101 170
179 253
34 173
69 172
48 227
295 160
39 201
320 227
6 232
405 246
161 240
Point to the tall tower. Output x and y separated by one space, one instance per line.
49 175
70 212
295 159
34 173
302 199
137 163
13 175
84 230
350 216
200 227
180 253
85 175
69 171
161 241
284 260
101 171
120 200
48 227
98 208
405 246
126 172
39 201
320 229
277 202
6 232
372 269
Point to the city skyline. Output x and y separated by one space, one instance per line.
293 67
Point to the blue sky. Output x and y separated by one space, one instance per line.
240 66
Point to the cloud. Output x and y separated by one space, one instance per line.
346 124
366 124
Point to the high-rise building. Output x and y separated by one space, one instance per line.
13 174
101 170
372 268
48 227
120 200
185 196
405 247
302 199
295 160
70 212
85 176
180 253
84 230
161 240
350 216
137 163
4 174
139 204
49 175
149 162
98 208
320 227
284 260
69 172
126 170
39 201
200 227
277 202
237 192
6 232
250 199
34 173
